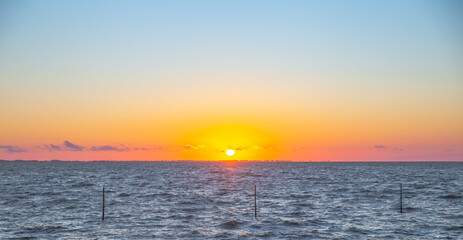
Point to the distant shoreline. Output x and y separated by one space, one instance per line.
234 161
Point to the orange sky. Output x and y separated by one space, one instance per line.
299 81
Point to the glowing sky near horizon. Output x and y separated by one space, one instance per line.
187 80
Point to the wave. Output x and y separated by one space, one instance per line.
83 184
233 224
451 196
123 194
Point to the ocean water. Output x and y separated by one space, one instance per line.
215 200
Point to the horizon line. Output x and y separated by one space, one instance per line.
224 160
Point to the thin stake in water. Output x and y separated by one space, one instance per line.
400 197
255 201
102 210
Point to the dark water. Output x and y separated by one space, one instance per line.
197 200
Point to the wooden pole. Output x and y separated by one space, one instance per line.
255 201
102 210
400 197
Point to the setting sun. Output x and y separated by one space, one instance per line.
230 152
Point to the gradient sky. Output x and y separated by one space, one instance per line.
285 80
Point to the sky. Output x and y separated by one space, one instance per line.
272 80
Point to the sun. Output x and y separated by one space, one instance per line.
230 152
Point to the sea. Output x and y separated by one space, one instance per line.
231 200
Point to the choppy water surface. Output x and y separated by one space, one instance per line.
188 200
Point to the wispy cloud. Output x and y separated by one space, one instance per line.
55 147
389 149
66 146
193 147
257 148
254 147
51 147
140 149
12 149
122 148
159 148
72 147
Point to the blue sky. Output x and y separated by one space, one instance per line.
368 60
